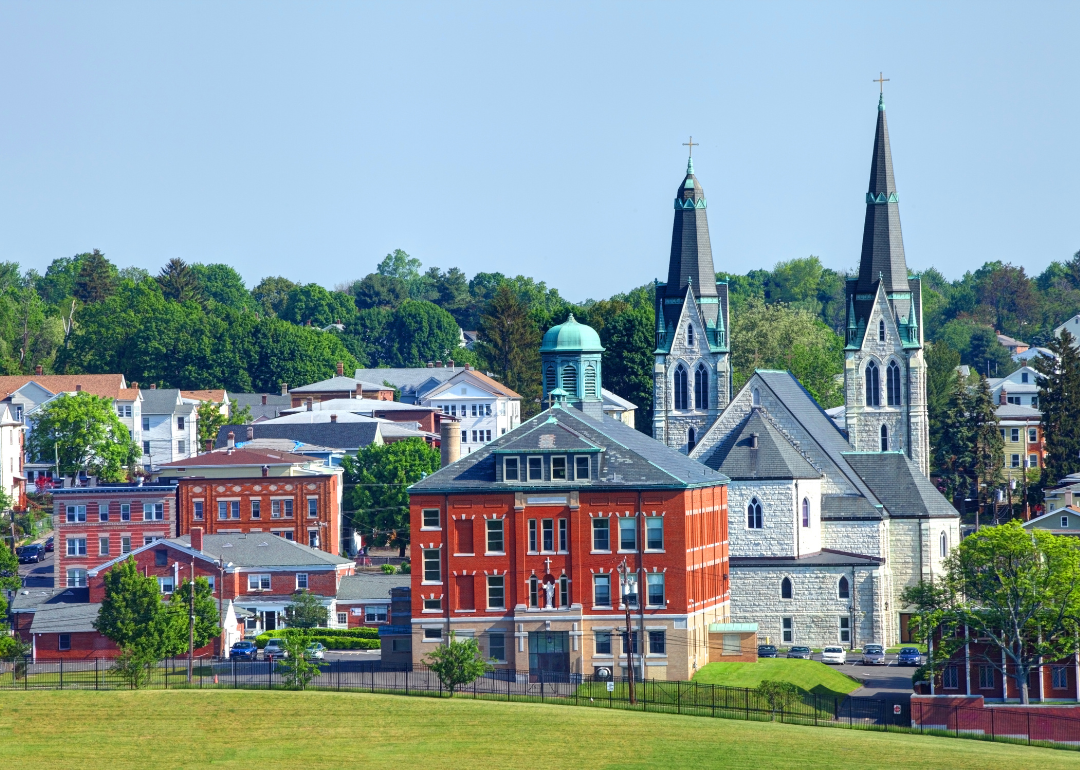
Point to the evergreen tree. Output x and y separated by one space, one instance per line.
179 282
953 452
1059 400
97 278
988 445
510 343
941 375
629 340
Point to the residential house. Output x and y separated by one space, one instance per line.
1073 327
263 406
1020 388
1021 430
95 524
1060 521
219 397
12 458
169 426
618 407
412 416
363 599
1063 494
240 490
341 387
1014 346
345 437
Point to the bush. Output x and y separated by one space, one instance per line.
405 568
779 695
388 569
332 638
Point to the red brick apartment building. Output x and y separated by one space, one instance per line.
94 525
976 670
239 490
518 544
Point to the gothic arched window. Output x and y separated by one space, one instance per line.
680 387
892 384
569 379
701 387
944 545
786 591
590 381
884 438
881 330
806 512
843 588
755 397
753 515
873 384
689 334
691 440
550 380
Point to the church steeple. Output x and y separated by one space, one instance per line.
691 252
883 245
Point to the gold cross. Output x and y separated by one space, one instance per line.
881 81
691 144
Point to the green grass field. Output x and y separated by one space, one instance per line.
244 730
808 675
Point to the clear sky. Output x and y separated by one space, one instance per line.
310 139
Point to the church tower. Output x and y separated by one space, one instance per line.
692 373
884 366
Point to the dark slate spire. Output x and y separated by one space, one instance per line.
691 254
883 245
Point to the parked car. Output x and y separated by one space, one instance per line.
30 554
766 650
909 656
244 651
314 651
834 655
275 648
799 652
50 544
873 655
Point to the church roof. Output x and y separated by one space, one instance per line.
691 261
824 558
773 458
571 337
900 485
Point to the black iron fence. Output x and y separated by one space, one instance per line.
691 698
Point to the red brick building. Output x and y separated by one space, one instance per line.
235 490
363 599
97 524
518 544
340 387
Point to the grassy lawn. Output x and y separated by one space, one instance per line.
808 675
237 729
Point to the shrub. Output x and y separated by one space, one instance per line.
779 695
405 568
363 638
388 569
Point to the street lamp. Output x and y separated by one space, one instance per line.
628 583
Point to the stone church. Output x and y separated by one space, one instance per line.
826 526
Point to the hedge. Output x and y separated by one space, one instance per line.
363 638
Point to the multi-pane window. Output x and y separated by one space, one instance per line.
145 423
654 533
375 613
1033 435
125 511
787 630
986 677
301 581
496 592
181 447
701 387
950 678
343 618
680 387
754 519
633 642
156 511
165 584
180 423
548 529
1014 434
275 509
602 642
534 592
563 535
627 534
496 646
654 582
657 643
881 330
495 539
76 546
432 570
103 545
601 534
197 510
630 592
536 469
873 385
602 590
432 605
313 538
532 535
558 469
124 410
146 447
103 511
258 582
892 384
806 512
843 588
76 578
564 591
845 629
510 469
581 467
1015 461
312 507
125 544
432 634
222 509
286 508
430 518
76 513
256 509
63 641
1059 677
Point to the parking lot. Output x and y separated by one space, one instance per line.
877 680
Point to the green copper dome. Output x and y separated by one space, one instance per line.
571 337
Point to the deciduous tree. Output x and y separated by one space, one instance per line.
83 433
306 611
457 663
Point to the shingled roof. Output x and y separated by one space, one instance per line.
105 385
773 457
334 435
629 460
900 485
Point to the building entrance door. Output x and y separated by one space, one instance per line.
549 656
270 620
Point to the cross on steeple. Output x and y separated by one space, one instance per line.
881 81
691 144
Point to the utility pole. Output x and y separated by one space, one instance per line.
624 580
191 626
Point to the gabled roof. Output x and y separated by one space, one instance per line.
900 485
65 619
217 396
262 549
1017 412
1051 516
826 557
618 403
631 460
340 435
420 380
362 406
164 401
338 384
774 457
223 457
483 381
105 385
253 401
369 586
840 507
33 599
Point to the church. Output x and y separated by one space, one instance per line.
827 526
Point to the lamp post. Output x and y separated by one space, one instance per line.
191 625
627 597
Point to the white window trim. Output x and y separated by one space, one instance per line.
426 528
307 581
566 470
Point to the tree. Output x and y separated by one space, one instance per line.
510 344
271 294
1059 399
400 265
941 363
988 449
223 285
83 433
379 291
9 571
313 304
295 668
987 354
457 663
211 419
1017 588
418 332
953 452
306 611
179 282
97 278
778 694
206 613
58 283
629 341
380 475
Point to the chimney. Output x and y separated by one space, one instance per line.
333 418
266 470
78 388
196 538
451 442
1004 398
232 440
209 445
264 399
309 404
284 388
38 369
468 367
250 433
450 363
153 386
340 368
753 440
430 365
438 365
134 385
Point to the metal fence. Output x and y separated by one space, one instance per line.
691 698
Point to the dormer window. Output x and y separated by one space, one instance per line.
536 469
510 469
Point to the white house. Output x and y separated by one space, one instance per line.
169 427
1021 388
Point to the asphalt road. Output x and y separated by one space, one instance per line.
877 680
40 575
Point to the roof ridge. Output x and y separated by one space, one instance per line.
791 439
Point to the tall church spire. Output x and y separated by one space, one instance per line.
691 253
883 245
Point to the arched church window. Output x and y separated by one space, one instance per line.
944 545
884 438
689 334
892 383
680 387
755 397
590 381
701 387
873 384
551 381
843 588
806 512
753 514
881 330
786 590
691 440
569 379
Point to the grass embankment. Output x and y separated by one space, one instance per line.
186 729
808 675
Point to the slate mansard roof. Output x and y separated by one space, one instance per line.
628 458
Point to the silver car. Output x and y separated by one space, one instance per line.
275 648
873 655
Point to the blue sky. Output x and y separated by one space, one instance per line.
308 140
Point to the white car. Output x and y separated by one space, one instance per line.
834 655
